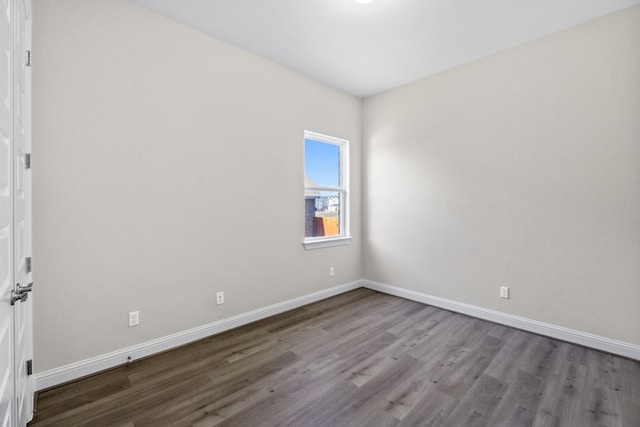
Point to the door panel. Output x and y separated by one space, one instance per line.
16 386
21 216
7 371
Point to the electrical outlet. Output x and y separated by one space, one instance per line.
134 318
504 292
220 298
332 272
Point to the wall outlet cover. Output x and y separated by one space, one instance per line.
134 318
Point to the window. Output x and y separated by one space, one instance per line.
326 187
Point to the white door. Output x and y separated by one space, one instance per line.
24 384
16 385
7 366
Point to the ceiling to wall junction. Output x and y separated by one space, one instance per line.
364 49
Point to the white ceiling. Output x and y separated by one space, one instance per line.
366 49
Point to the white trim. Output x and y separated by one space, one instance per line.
326 243
343 189
96 364
317 189
565 334
324 138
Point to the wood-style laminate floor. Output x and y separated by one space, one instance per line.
359 359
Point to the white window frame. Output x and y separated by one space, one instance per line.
344 237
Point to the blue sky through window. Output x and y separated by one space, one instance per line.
322 163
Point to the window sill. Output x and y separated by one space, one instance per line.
326 243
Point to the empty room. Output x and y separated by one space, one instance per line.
320 213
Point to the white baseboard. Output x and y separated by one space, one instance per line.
96 364
565 334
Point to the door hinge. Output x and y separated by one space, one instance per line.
30 367
28 264
27 161
28 58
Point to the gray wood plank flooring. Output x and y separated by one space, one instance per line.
359 359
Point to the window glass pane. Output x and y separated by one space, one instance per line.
322 163
322 213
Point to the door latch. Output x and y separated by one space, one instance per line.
21 294
25 289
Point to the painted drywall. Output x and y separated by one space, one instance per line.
167 167
522 170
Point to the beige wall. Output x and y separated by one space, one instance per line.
520 170
159 151
169 167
